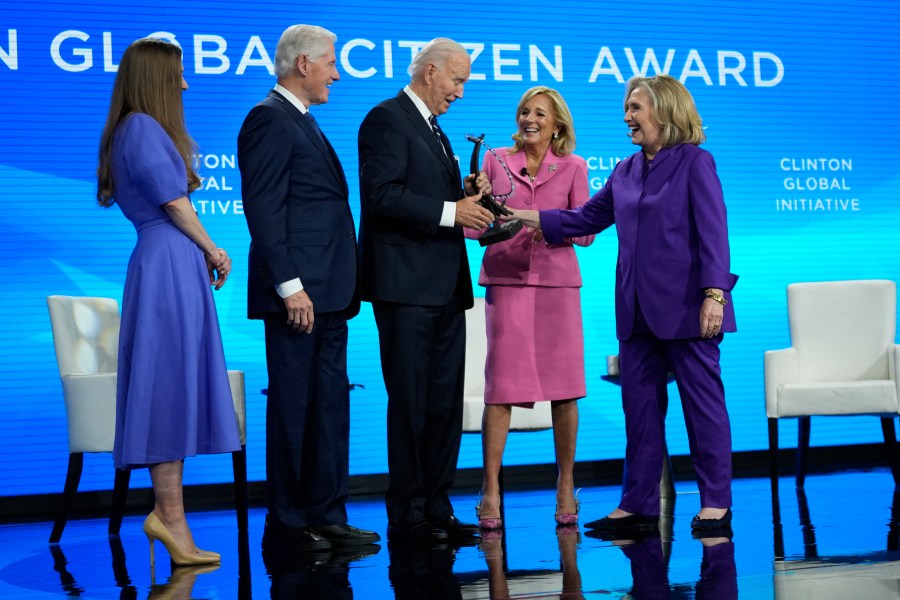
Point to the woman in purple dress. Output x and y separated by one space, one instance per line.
173 398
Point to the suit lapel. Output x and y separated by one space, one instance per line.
424 129
516 162
326 149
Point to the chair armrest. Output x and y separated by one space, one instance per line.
90 411
780 367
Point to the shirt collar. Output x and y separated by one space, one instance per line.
420 104
291 98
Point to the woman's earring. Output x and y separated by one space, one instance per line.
555 134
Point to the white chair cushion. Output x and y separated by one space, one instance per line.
85 334
837 398
90 411
842 330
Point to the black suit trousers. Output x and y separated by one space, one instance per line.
307 421
423 363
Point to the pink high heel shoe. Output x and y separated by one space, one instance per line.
569 518
487 523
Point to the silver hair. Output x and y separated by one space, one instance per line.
437 51
311 40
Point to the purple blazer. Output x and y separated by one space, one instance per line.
673 238
561 182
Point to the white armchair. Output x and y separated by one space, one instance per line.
842 361
86 339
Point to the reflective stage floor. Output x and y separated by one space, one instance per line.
839 540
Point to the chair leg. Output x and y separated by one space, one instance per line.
73 478
810 547
773 454
241 502
120 494
803 428
890 443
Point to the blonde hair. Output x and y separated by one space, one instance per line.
148 81
564 143
673 108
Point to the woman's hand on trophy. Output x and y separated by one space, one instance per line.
531 218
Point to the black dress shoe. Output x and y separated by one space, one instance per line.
455 528
302 539
723 522
420 531
634 521
345 535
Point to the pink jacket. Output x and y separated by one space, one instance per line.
561 183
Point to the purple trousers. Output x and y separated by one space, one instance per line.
644 360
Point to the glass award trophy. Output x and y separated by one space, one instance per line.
499 231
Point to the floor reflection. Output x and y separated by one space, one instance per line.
180 585
314 575
839 538
423 571
870 574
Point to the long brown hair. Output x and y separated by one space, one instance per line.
149 82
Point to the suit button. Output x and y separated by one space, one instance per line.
350 234
527 201
526 246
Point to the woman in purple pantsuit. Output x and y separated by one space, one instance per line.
532 282
173 397
673 297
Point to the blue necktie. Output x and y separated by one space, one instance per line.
439 134
312 121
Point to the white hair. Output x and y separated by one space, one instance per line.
310 40
437 51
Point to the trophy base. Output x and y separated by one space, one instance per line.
500 232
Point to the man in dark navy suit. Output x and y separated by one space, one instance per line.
302 283
416 275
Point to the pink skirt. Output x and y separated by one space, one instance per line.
535 345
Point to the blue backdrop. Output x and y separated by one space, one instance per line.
800 102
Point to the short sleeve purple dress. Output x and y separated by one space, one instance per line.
173 398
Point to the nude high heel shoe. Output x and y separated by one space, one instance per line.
155 530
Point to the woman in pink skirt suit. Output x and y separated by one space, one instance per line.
535 344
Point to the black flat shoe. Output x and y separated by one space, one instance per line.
635 521
345 535
698 524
